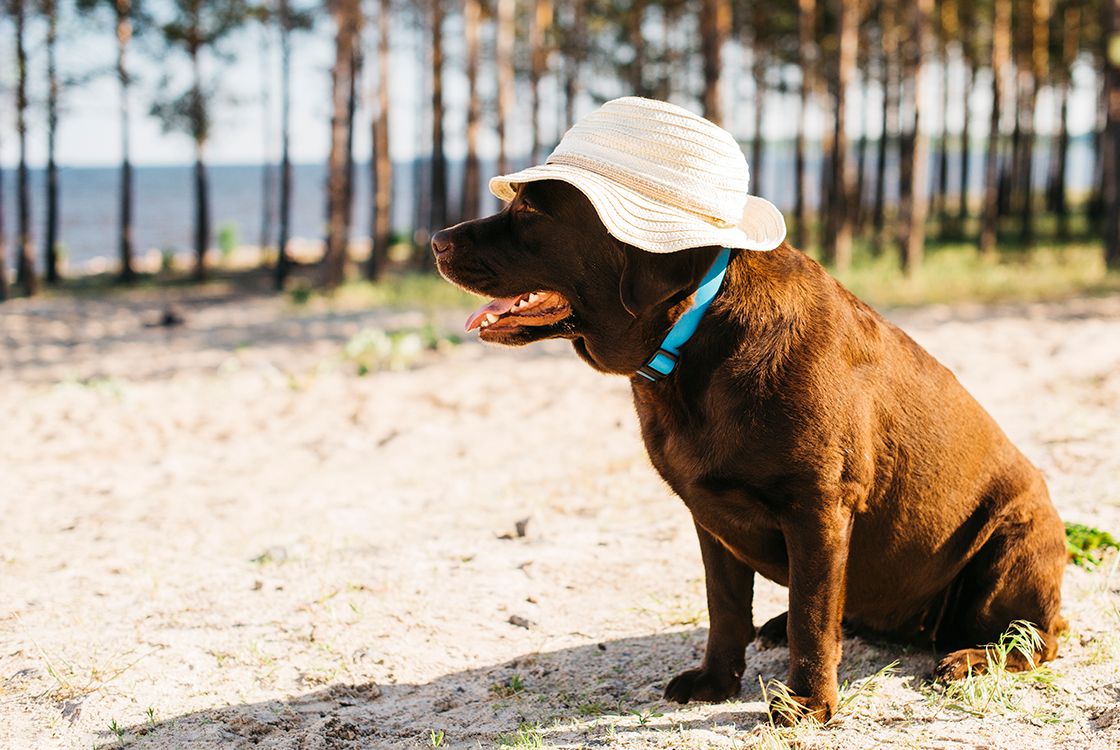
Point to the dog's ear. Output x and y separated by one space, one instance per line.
648 279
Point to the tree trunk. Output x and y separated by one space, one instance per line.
759 71
437 217
917 153
338 178
807 13
1040 38
1001 53
201 186
25 272
382 160
1111 141
859 209
1056 185
637 12
940 204
956 224
889 124
282 261
573 59
124 37
3 246
472 14
715 25
540 21
504 63
50 8
351 112
843 170
268 168
202 213
673 56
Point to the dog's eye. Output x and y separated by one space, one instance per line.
527 207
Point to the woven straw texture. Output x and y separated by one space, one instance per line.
660 177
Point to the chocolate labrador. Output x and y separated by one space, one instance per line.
814 443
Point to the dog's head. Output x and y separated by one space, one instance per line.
555 272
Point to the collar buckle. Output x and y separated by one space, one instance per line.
659 365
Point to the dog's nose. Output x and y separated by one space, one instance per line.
441 243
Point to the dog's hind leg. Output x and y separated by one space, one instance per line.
773 633
730 590
1015 577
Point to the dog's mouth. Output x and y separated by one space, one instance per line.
507 313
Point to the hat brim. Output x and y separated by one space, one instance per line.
651 225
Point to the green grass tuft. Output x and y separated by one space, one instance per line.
999 691
1088 546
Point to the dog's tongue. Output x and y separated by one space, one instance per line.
496 307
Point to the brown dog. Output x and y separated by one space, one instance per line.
814 443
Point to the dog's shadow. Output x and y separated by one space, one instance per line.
582 695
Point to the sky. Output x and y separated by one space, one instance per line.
89 129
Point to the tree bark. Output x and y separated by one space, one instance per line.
25 272
957 223
1001 54
382 160
839 242
635 14
918 150
890 84
504 62
437 217
715 25
1056 184
1111 140
50 8
1040 37
338 188
949 30
539 23
268 168
282 259
472 14
808 54
124 37
759 73
574 52
202 213
3 246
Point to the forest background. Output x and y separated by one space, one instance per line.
948 120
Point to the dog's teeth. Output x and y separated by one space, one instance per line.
522 303
534 297
491 317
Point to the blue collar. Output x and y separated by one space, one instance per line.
663 362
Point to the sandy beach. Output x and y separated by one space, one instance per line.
219 534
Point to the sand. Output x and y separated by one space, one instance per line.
219 534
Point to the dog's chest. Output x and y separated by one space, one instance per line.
702 461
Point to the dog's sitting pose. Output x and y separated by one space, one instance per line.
814 442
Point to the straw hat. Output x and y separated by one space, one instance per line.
660 178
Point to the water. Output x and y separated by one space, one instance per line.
163 209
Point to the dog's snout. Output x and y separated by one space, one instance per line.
441 242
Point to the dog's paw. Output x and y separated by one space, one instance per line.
701 685
773 634
960 664
788 710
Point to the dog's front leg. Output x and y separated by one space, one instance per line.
818 554
730 589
